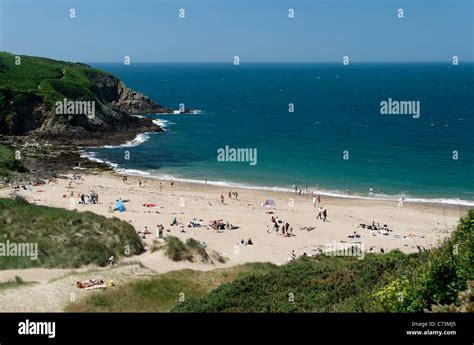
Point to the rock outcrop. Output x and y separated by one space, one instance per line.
32 112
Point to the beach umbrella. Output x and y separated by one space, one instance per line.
120 206
268 202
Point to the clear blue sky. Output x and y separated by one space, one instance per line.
256 31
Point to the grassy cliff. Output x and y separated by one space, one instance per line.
8 164
31 86
65 239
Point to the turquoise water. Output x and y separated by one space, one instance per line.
336 109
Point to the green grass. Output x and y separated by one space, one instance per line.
162 292
41 81
191 250
52 80
66 239
8 163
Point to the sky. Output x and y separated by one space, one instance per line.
256 31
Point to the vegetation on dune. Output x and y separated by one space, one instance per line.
191 250
160 293
8 163
66 239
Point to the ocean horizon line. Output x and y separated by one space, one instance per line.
440 62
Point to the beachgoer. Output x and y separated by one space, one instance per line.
401 201
222 198
325 215
292 256
159 231
320 213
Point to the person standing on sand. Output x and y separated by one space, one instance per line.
83 199
159 231
139 183
292 256
222 198
401 201
325 215
314 201
320 213
319 199
161 186
230 195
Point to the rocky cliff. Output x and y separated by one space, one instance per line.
30 92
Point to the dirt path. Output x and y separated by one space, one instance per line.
54 294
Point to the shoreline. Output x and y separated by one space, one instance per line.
91 156
416 224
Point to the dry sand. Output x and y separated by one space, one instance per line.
427 224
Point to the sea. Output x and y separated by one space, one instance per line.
311 125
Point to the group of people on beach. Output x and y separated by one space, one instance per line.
279 226
233 194
322 214
159 232
91 198
381 229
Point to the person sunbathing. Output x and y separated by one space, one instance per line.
89 283
354 235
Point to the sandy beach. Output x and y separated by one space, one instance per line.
416 224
